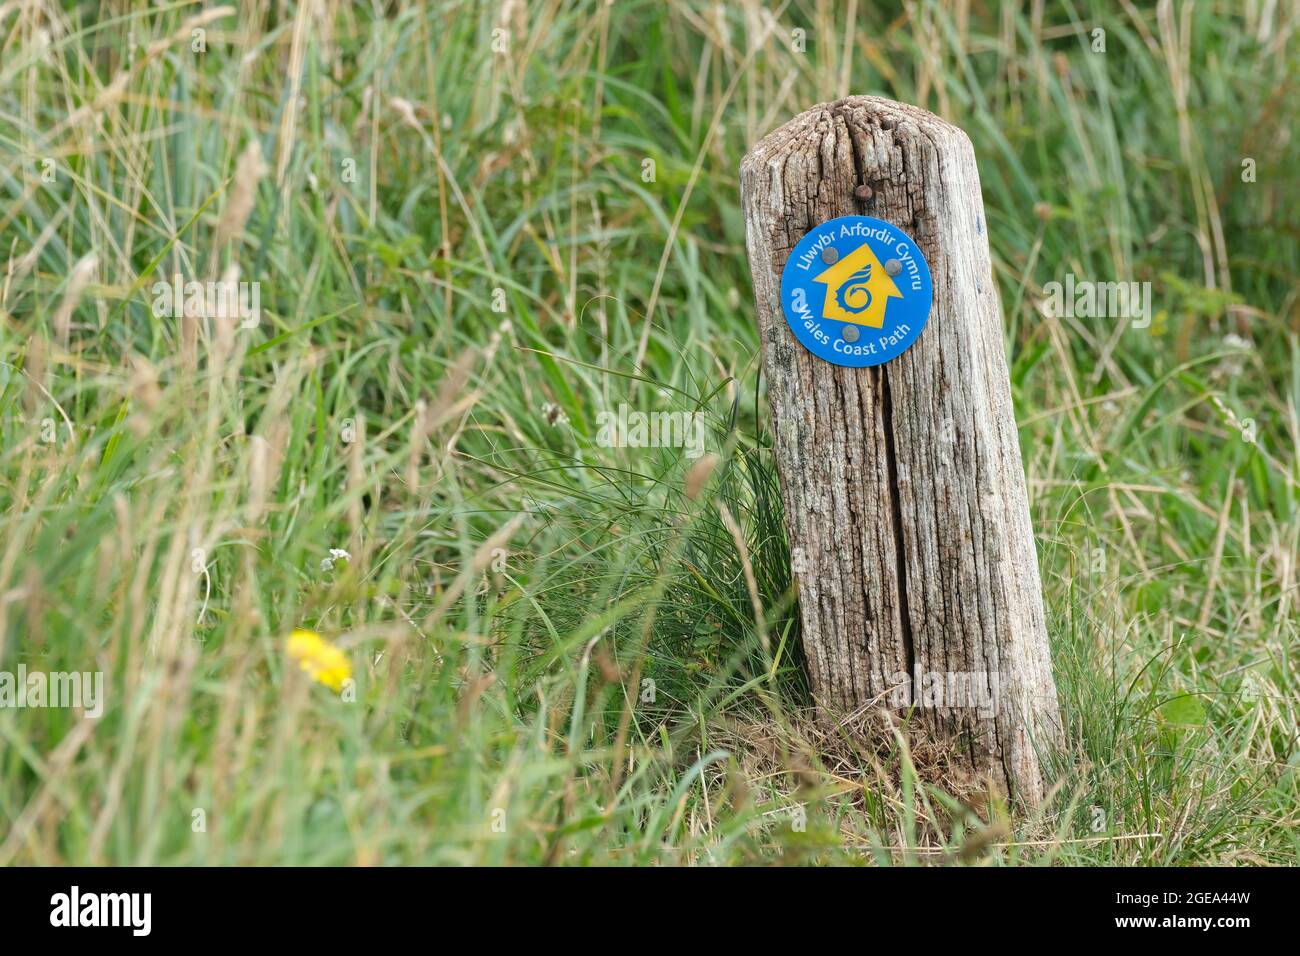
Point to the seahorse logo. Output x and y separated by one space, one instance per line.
854 295
857 289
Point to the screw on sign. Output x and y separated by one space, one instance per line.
879 323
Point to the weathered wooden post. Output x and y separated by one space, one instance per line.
897 448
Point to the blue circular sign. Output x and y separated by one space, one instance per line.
856 291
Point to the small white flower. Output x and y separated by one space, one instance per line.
553 415
1233 365
327 564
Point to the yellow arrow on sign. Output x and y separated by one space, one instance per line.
857 289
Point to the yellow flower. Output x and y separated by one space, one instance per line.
319 659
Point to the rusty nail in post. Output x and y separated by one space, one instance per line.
863 192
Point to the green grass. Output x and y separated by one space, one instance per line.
498 272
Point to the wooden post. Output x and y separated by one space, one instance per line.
904 493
